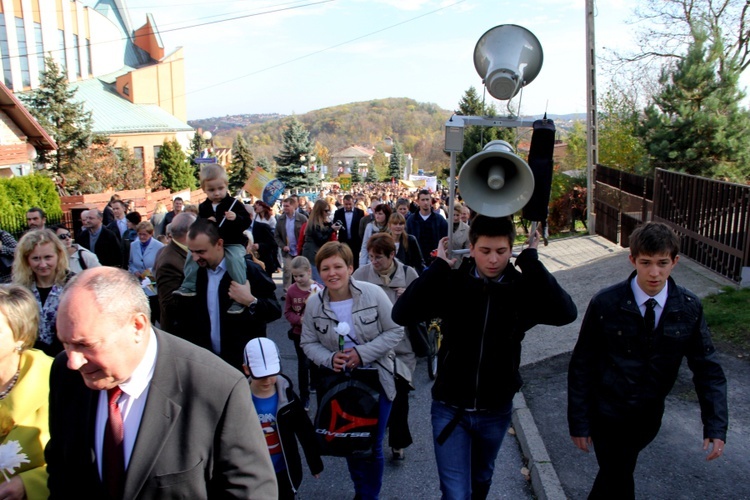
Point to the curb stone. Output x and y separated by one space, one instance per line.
544 480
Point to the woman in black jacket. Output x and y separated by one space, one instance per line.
318 232
407 246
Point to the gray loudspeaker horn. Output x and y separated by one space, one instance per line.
507 57
495 182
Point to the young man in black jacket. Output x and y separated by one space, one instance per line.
629 350
483 326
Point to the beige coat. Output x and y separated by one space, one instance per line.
374 331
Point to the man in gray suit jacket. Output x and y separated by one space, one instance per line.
287 242
148 415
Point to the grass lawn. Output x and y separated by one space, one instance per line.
728 316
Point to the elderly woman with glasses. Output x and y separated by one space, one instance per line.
385 271
79 258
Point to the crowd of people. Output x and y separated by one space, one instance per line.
124 347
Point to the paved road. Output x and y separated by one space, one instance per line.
416 477
671 468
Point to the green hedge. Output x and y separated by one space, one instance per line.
18 194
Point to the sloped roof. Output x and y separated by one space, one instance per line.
113 114
17 112
354 151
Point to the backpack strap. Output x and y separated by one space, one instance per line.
81 261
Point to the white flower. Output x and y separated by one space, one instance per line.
342 328
11 457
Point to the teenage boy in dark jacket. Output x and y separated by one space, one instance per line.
629 350
482 325
282 417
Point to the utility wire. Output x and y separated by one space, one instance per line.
331 47
159 32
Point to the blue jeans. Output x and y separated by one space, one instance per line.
466 460
367 473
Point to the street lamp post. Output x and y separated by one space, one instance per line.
308 163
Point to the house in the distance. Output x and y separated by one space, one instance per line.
353 158
21 136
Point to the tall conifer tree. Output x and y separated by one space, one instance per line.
242 164
296 144
54 107
695 123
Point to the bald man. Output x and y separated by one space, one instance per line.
147 415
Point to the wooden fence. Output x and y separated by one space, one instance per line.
712 217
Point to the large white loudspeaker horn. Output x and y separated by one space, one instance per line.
495 182
507 57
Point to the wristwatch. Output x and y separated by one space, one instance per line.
251 305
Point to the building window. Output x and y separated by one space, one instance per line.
38 46
23 53
5 54
126 89
77 57
86 64
138 155
63 53
157 150
88 56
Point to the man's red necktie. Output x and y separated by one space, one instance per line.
113 466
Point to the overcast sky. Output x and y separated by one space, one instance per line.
312 54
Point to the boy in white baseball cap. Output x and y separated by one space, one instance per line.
282 416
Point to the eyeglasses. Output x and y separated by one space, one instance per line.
377 258
64 236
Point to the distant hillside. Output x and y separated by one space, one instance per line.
231 122
417 126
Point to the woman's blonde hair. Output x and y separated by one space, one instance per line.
318 215
160 208
22 273
21 311
145 225
403 239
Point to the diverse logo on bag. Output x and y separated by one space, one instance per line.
338 416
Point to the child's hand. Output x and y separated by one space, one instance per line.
229 215
212 218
